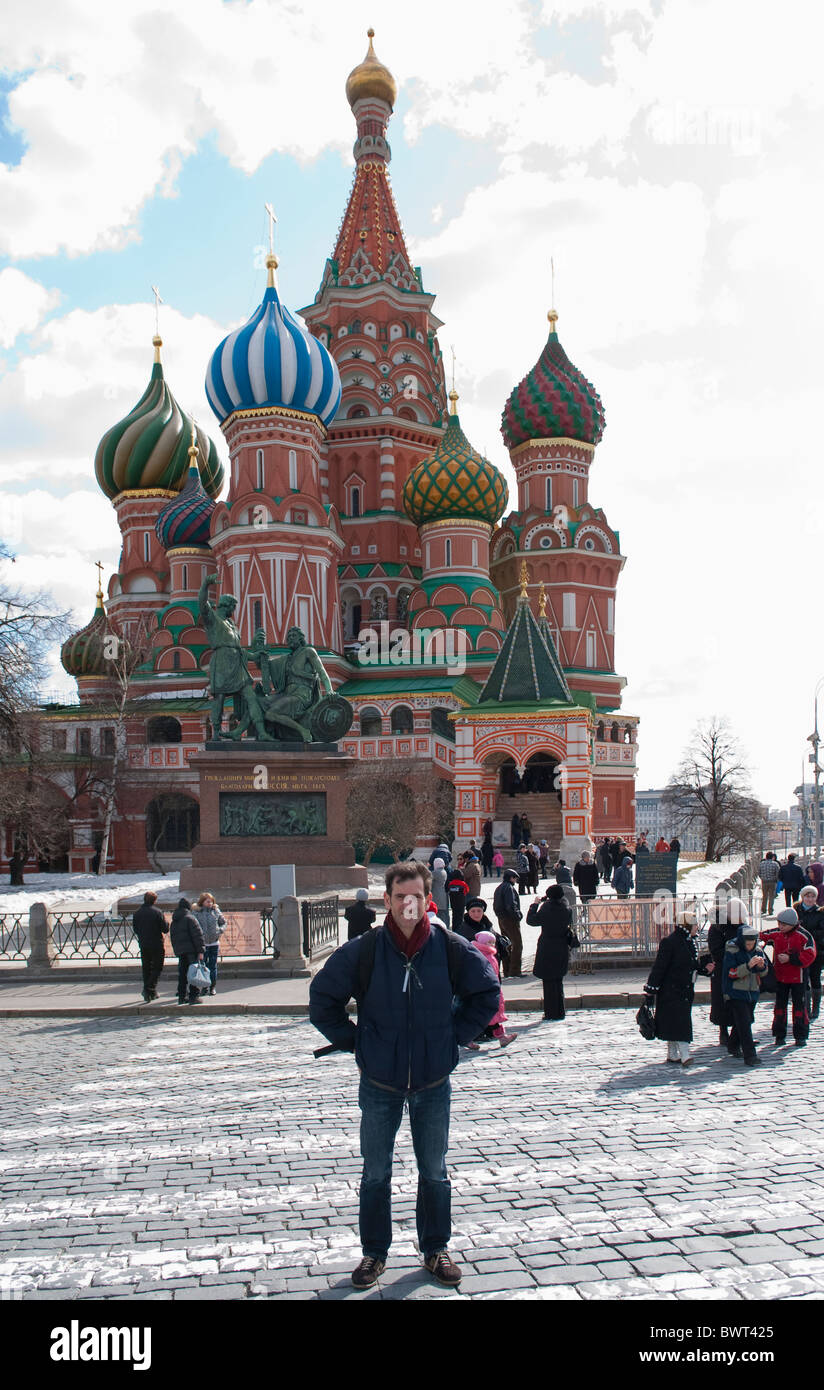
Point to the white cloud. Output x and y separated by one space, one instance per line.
85 371
116 96
24 303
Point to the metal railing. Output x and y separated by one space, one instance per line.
633 927
269 932
14 935
93 936
320 925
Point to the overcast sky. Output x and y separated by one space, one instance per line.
666 153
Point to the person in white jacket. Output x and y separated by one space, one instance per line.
213 925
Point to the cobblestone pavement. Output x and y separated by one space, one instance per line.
173 1158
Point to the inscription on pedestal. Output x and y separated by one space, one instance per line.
271 813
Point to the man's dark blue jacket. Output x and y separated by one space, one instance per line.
408 1030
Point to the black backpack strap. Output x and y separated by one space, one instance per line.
366 963
454 951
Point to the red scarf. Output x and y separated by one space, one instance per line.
412 944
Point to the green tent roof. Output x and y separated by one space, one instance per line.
527 670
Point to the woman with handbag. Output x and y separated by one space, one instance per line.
554 917
671 987
213 925
188 945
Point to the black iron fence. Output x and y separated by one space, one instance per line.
269 933
320 925
14 935
93 936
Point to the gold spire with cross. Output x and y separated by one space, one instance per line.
524 594
271 259
99 567
542 601
553 313
193 449
157 341
453 395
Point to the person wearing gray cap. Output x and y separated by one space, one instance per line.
794 951
359 915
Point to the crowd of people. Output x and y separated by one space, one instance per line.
743 963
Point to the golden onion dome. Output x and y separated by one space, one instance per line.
371 79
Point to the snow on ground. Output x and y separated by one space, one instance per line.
87 889
702 878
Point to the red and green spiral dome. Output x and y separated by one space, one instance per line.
554 401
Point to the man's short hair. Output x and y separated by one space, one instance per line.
405 872
149 899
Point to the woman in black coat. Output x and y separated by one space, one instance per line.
554 917
671 987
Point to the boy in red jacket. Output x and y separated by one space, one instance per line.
793 952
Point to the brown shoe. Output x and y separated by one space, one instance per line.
443 1268
368 1272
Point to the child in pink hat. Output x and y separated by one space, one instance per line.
485 943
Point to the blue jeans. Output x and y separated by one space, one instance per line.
381 1114
210 961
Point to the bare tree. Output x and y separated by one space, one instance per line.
122 660
710 792
29 625
380 812
392 813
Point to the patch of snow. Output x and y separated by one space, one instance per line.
87 890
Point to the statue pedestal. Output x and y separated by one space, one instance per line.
261 806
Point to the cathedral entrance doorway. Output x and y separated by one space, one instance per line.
532 798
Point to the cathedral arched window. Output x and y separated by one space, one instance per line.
447 559
293 469
261 475
356 326
402 720
371 723
404 596
163 729
614 734
354 501
549 494
358 412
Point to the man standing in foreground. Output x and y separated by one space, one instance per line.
406 1043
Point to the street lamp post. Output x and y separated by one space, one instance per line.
813 757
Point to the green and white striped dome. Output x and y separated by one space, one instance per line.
149 448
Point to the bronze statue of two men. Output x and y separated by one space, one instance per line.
291 687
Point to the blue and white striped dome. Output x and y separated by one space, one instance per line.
273 361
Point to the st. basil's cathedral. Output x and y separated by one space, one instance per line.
357 507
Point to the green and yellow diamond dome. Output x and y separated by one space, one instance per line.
455 483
